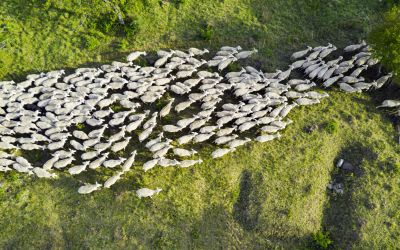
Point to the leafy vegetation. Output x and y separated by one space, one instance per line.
206 32
385 39
322 240
265 196
80 126
331 127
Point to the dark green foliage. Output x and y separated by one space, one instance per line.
110 23
116 107
13 176
90 42
385 40
331 127
322 240
123 44
80 126
206 33
130 27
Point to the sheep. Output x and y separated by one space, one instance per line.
63 163
202 137
299 54
164 162
225 139
162 152
42 173
120 145
245 54
146 133
112 180
267 137
167 108
89 188
238 142
146 192
150 164
78 168
221 152
89 155
50 163
113 163
389 104
171 128
186 138
183 152
189 163
129 162
306 101
135 55
22 169
98 162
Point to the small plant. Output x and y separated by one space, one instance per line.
116 107
331 127
396 167
195 234
130 27
13 177
123 44
322 240
207 32
385 36
90 42
80 126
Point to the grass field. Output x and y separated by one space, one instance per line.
263 196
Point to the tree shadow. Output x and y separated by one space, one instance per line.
246 210
339 215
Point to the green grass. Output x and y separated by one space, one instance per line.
262 196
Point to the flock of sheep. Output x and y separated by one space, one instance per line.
89 119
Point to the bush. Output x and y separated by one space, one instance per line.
206 33
123 44
80 126
116 107
90 42
331 127
385 40
130 27
322 240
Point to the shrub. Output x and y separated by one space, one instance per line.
80 126
116 107
331 127
385 40
322 240
130 27
206 33
13 176
90 42
123 44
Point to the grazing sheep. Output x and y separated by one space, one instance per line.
78 168
184 152
113 163
42 173
129 162
98 162
146 192
189 163
89 188
267 137
221 152
112 180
